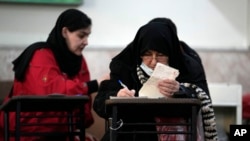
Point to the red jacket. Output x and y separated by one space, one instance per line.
44 77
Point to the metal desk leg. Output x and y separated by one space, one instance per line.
194 123
82 125
110 128
70 126
6 126
18 119
113 122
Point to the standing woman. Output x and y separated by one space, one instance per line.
55 66
153 43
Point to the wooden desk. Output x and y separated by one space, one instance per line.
31 103
171 107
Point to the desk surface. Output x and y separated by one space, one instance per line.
44 103
181 101
158 106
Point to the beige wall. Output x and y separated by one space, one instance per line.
220 66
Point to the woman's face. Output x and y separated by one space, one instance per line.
151 57
76 40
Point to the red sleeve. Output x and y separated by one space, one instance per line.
44 77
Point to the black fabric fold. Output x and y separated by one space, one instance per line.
22 61
92 86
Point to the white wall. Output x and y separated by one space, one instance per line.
248 23
206 24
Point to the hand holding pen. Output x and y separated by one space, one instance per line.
125 92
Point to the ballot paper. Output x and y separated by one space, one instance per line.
116 97
161 71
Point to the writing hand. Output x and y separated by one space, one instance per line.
125 92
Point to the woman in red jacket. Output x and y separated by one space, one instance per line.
55 66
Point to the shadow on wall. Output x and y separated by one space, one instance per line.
227 11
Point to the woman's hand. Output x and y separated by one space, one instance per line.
168 87
125 92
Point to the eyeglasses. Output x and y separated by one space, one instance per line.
157 57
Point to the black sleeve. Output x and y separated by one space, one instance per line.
92 86
185 92
107 88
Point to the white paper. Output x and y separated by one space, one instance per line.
161 71
116 97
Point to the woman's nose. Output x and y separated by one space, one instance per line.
154 59
85 41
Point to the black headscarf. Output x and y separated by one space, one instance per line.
68 62
22 61
153 36
193 71
166 21
73 19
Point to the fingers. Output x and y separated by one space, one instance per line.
168 87
166 92
125 92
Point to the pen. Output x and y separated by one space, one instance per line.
123 85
